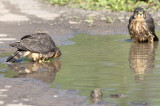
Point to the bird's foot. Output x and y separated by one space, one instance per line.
150 39
41 61
134 40
47 61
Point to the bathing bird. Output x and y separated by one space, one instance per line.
37 47
141 26
96 95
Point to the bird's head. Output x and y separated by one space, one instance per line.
57 53
96 93
139 13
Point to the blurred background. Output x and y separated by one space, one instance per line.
114 5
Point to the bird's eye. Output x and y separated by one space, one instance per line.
136 11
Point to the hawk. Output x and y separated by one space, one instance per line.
141 26
37 46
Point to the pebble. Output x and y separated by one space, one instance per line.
7 86
3 35
20 104
3 90
7 39
3 95
1 102
26 99
15 101
55 96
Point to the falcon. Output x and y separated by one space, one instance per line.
37 47
141 26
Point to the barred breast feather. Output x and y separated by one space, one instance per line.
138 29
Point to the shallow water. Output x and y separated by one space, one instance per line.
111 63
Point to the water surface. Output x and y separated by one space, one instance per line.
111 63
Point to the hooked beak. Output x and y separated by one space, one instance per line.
140 13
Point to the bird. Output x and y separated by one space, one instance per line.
37 47
141 26
96 95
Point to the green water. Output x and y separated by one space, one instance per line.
111 63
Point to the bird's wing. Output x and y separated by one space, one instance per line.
150 22
130 20
40 43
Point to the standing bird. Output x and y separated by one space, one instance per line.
37 47
141 26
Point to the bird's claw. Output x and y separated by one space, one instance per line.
41 61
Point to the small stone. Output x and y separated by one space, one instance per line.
3 90
3 95
3 35
55 96
27 71
1 102
20 104
7 86
15 101
26 99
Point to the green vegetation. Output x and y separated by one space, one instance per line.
114 5
110 20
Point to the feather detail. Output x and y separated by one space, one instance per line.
15 56
139 30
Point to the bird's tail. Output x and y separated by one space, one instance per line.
15 56
155 37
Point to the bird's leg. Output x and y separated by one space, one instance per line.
151 45
134 39
46 61
150 39
41 61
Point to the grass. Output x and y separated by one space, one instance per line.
114 5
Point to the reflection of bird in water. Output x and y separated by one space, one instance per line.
45 71
37 46
141 26
141 57
96 95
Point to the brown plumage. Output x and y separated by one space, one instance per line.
96 95
141 26
37 46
